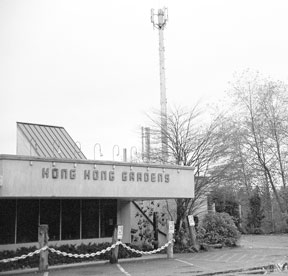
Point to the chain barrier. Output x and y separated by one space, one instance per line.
86 255
24 256
147 252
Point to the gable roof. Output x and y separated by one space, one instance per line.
50 141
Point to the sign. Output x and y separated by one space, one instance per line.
191 220
120 232
171 228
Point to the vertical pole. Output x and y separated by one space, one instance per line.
114 251
170 226
163 100
192 231
43 241
124 155
155 228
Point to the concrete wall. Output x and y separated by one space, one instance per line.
39 177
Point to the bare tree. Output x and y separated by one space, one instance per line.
260 111
195 141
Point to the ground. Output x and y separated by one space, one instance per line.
260 254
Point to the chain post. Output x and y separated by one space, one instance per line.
171 229
43 241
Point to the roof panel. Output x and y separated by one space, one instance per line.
50 141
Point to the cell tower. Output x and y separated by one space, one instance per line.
159 21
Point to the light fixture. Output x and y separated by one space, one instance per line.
163 170
100 152
31 163
147 169
131 168
118 151
178 171
75 165
95 166
53 164
113 167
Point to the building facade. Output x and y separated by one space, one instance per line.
80 200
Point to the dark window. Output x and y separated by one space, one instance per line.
90 219
27 220
50 214
7 220
70 219
108 213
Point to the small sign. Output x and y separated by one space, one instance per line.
120 232
191 220
171 227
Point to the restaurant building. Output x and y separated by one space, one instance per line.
50 181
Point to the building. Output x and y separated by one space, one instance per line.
50 181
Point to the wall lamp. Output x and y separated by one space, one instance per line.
100 152
115 146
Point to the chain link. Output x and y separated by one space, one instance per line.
24 256
147 252
86 255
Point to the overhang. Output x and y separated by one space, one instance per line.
34 177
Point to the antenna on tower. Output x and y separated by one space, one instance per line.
159 21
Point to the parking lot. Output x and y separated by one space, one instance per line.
255 255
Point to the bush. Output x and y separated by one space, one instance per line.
55 259
218 228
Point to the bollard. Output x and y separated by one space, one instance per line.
117 235
170 226
43 241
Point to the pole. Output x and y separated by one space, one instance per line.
160 25
43 241
163 100
114 251
170 226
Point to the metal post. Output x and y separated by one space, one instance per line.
160 25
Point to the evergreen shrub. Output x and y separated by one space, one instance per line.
218 228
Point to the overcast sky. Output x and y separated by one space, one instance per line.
93 66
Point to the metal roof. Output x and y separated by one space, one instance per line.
50 141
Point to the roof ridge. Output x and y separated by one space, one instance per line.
23 123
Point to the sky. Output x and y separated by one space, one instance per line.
93 66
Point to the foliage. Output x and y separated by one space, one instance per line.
226 201
192 140
255 215
218 228
55 259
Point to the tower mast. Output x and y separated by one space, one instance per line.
160 23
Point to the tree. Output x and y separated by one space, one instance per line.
196 142
256 214
260 118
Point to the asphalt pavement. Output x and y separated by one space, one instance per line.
255 255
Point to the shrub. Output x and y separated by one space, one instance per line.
218 228
55 259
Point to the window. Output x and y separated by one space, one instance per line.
108 214
50 214
70 219
27 220
90 219
7 220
